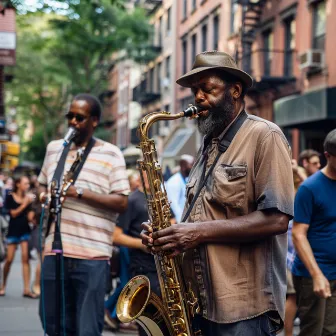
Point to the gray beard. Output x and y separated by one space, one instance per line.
218 119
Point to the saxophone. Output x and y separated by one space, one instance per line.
174 314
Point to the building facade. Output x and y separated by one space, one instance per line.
287 47
155 91
201 26
9 146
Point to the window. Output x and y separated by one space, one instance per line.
193 46
216 32
194 4
184 56
151 80
168 20
168 67
160 31
319 25
290 30
158 78
234 7
154 130
185 9
122 136
166 122
204 37
268 46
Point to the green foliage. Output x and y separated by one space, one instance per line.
103 133
33 150
58 6
92 33
67 49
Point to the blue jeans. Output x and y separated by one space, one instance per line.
258 326
111 302
18 240
84 290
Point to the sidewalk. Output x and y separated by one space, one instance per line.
18 315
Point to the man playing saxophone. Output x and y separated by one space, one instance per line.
87 222
234 239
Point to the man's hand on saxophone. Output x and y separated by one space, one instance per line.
177 238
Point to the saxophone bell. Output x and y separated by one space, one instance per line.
138 303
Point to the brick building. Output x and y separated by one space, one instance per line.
202 25
9 146
155 92
287 46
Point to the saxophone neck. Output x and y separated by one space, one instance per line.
151 118
147 121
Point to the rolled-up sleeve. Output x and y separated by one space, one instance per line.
274 186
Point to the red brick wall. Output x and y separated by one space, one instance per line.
7 21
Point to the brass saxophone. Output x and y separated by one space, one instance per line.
174 314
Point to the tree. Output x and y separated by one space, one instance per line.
63 52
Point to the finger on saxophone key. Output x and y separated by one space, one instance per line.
146 234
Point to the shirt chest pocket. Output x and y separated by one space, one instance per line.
190 189
229 185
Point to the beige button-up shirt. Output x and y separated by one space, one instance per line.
240 281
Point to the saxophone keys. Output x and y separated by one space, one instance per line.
176 308
180 326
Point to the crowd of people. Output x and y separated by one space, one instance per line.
230 209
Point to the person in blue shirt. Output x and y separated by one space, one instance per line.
314 238
176 186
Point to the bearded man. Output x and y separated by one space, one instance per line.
234 239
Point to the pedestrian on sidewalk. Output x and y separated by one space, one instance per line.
34 242
127 233
176 186
18 204
314 238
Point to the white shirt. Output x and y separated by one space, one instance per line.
176 192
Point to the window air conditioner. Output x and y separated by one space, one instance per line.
164 131
312 58
165 82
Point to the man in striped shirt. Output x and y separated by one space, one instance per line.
87 222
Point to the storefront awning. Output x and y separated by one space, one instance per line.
132 151
131 155
182 142
313 106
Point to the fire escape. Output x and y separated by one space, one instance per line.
265 63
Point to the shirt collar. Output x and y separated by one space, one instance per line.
207 139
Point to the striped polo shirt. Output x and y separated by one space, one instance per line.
87 230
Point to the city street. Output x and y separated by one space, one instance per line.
18 316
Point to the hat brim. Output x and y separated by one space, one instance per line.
245 78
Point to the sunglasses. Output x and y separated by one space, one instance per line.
78 117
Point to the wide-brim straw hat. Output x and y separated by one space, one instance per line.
215 60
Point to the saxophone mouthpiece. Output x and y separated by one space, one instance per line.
192 111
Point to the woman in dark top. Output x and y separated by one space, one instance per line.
18 206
